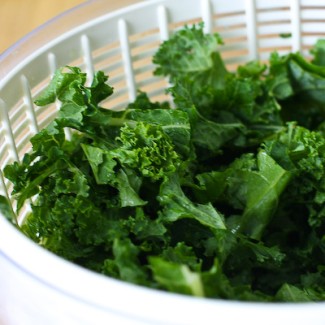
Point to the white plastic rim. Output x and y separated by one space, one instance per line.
37 287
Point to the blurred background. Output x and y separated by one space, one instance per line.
19 17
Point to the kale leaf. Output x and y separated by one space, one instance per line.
219 195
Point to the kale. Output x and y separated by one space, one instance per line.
221 196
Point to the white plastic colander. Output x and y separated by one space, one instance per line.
37 287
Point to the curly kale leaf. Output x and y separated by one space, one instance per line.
189 51
298 86
221 196
226 109
302 152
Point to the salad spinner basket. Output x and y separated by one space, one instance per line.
37 287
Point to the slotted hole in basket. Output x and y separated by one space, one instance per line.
273 31
22 137
19 123
232 29
143 47
107 58
4 152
